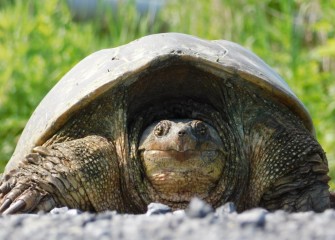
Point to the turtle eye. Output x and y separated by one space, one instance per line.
162 128
199 127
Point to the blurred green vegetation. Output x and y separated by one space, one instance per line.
39 43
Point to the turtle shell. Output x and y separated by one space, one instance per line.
105 69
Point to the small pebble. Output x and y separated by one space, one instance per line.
158 208
228 207
65 210
179 212
61 210
74 212
198 209
254 217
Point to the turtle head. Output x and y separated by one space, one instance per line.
182 158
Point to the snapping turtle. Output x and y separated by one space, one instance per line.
166 118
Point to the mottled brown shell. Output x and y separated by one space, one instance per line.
105 69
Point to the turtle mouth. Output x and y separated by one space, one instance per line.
177 176
181 155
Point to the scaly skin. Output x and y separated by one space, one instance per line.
78 174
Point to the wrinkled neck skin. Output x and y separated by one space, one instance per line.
230 184
248 128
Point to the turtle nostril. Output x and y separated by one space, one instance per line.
181 133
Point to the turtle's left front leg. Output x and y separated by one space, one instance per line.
304 189
293 172
82 173
289 167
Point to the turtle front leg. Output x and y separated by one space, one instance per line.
288 166
82 173
304 189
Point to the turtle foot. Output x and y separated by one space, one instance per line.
23 197
20 193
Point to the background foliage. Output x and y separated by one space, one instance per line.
39 43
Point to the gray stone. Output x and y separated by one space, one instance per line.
254 217
65 210
228 207
179 212
59 210
158 208
198 209
73 212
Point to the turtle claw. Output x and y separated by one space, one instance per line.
5 205
9 198
5 187
21 198
15 207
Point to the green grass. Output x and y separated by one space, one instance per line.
39 43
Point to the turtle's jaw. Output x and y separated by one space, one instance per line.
180 155
177 176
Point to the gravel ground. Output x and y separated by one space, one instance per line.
199 221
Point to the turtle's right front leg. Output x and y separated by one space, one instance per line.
82 174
